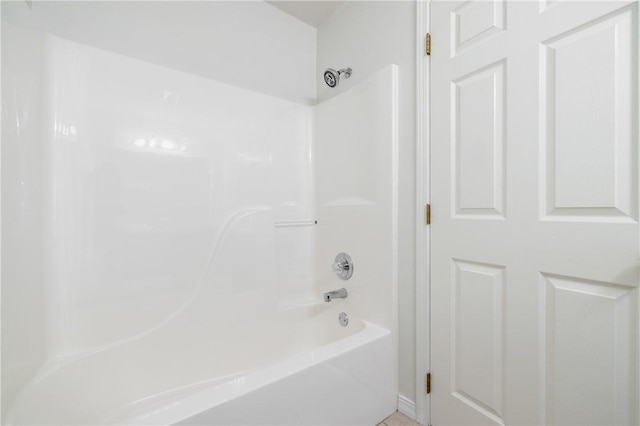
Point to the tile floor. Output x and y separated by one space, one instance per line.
398 419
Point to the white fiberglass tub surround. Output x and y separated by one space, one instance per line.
150 272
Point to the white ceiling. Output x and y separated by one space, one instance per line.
309 11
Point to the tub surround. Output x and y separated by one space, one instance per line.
163 196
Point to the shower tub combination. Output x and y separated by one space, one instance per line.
168 238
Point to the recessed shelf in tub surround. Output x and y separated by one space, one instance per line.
295 223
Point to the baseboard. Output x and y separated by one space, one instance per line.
406 406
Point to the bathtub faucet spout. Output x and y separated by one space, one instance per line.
336 294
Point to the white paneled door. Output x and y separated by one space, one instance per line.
535 236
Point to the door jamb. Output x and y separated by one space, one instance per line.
423 196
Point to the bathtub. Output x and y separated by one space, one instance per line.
300 367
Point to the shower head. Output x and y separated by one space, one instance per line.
332 77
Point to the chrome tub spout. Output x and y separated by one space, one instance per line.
336 294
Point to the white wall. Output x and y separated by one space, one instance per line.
248 44
367 36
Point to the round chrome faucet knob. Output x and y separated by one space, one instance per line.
343 266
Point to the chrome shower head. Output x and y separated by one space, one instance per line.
332 77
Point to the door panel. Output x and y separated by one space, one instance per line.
580 314
478 297
535 236
478 167
590 106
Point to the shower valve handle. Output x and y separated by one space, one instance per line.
340 266
343 266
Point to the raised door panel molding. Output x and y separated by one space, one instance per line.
589 147
478 143
475 21
478 300
588 347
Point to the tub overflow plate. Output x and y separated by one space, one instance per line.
343 318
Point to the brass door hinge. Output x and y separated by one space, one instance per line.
428 44
427 214
427 382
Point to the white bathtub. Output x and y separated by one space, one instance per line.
302 367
